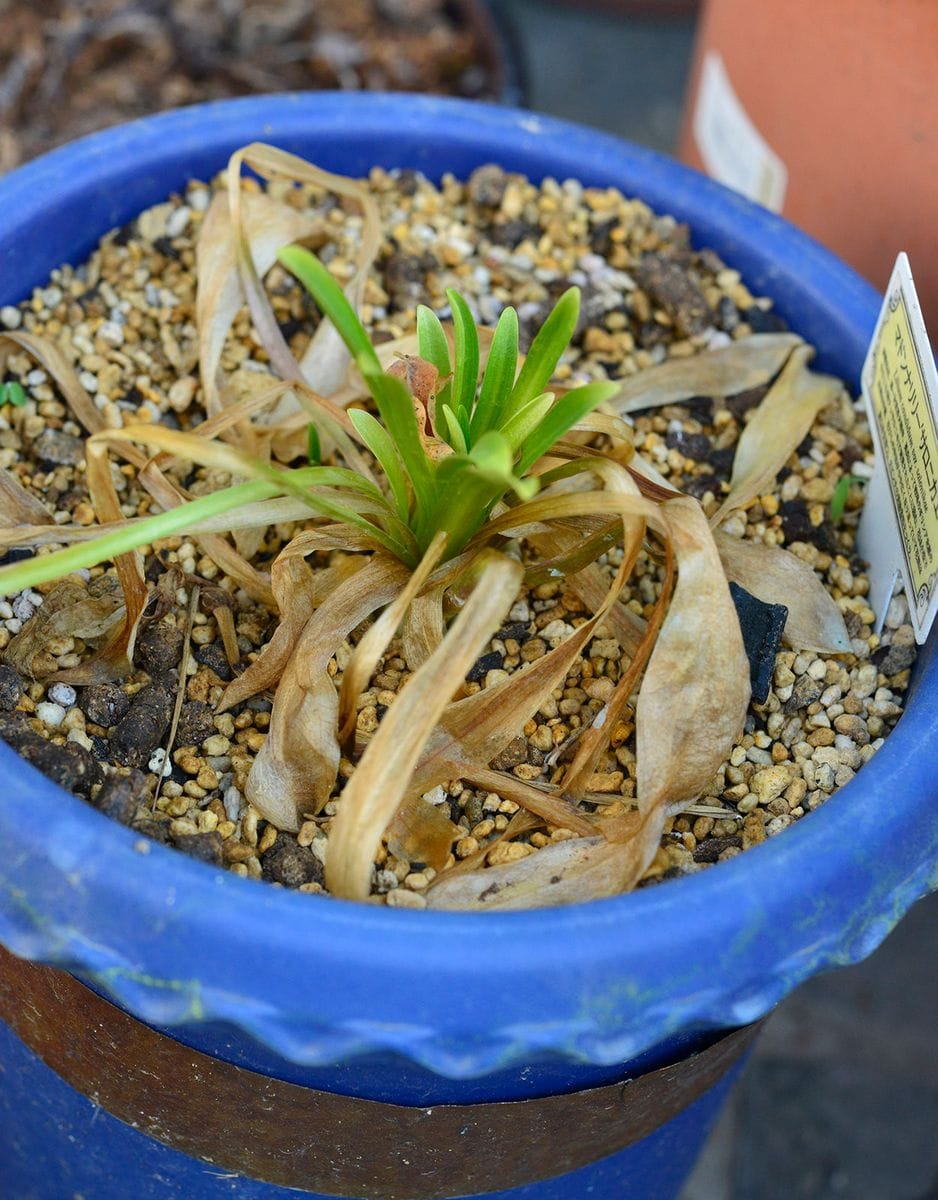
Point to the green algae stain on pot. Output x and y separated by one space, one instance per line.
190 989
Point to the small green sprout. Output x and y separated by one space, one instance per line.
449 455
12 393
313 446
841 492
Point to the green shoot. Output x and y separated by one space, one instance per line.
481 441
12 393
841 492
313 446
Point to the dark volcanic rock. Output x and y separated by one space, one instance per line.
70 766
141 729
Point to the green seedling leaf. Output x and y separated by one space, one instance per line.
499 377
333 302
465 356
493 458
522 424
433 346
12 393
568 410
379 442
396 408
313 446
552 339
841 492
453 431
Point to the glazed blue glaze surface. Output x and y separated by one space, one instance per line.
320 982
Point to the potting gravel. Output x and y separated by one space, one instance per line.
126 319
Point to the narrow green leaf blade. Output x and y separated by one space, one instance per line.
550 342
431 340
561 418
453 432
327 293
499 377
396 406
466 354
523 423
379 442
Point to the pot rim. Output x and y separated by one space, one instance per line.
174 941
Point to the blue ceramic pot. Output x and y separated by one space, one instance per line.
430 1008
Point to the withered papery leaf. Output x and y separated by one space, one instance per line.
691 706
296 768
19 507
775 429
298 592
325 362
383 777
569 872
423 627
70 609
373 644
694 695
268 225
748 363
777 576
421 832
115 658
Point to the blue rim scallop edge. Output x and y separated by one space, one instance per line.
322 981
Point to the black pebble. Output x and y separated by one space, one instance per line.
196 723
291 864
120 795
213 657
159 648
153 828
762 320
139 732
488 662
892 659
761 626
710 849
797 527
206 847
696 446
70 766
104 703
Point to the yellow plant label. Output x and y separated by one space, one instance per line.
900 385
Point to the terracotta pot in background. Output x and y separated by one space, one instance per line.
843 123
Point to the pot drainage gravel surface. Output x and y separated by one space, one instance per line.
126 320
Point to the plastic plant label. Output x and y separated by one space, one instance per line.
732 149
898 531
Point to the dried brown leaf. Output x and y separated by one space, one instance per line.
570 872
695 692
423 627
776 427
691 707
384 776
295 770
298 592
778 577
421 832
365 657
70 609
18 506
748 363
267 226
